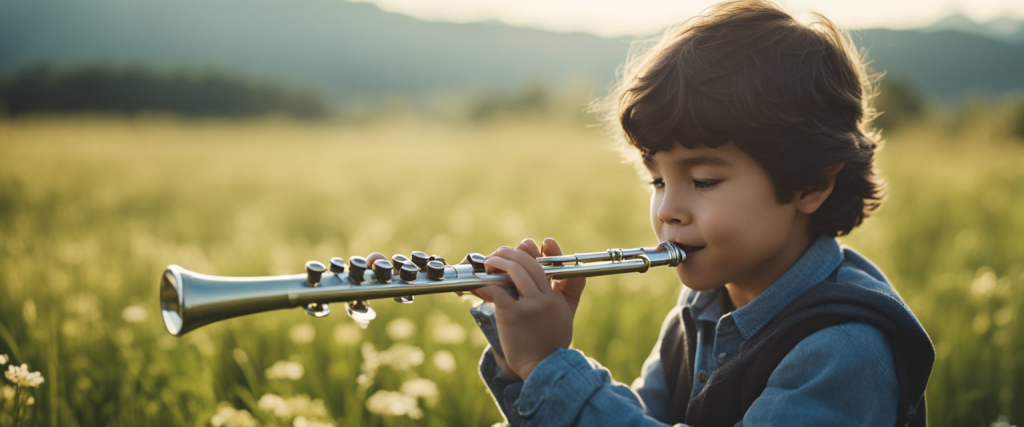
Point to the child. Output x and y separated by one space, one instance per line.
754 129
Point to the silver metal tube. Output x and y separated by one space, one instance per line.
189 300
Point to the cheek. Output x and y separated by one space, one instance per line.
655 222
740 224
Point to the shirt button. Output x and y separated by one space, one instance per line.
721 357
703 376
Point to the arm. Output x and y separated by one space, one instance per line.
566 388
562 386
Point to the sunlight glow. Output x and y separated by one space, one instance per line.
646 17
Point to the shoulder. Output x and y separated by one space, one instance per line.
847 348
857 269
842 375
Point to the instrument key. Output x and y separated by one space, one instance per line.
420 259
398 260
337 265
382 269
435 270
408 272
357 266
477 261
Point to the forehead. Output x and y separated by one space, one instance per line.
727 155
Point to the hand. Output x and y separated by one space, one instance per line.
540 321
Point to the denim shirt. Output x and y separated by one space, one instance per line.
843 375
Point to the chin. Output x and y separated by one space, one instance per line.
696 284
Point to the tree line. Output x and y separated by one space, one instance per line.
129 90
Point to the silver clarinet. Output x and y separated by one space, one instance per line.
189 300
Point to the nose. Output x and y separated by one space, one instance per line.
673 208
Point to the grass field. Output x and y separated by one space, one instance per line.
91 210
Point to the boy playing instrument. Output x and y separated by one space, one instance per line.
754 129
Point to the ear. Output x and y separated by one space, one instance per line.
808 201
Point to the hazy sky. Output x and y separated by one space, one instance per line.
612 18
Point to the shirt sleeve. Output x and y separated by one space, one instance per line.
566 388
843 375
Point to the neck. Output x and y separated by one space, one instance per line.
743 291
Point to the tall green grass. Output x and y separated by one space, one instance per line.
91 210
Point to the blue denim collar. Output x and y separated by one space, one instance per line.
814 266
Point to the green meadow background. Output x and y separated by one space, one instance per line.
93 208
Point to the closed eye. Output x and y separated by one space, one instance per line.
705 183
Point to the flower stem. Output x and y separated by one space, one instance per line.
17 405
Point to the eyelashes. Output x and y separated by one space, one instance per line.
706 183
697 183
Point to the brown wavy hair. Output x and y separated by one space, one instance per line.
794 96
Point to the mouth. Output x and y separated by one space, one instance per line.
690 249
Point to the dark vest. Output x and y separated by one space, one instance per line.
743 375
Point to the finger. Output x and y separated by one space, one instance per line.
496 294
491 269
523 281
370 259
572 288
530 265
549 247
530 247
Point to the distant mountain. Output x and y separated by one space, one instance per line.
946 65
1002 29
349 51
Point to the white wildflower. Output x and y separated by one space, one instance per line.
302 333
298 406
449 333
303 405
275 405
347 334
984 283
227 416
21 376
3 359
400 329
444 360
371 358
31 401
422 388
393 403
134 314
402 357
285 370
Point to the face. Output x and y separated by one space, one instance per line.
720 205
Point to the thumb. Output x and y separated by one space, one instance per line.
497 294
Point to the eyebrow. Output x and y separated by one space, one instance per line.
692 161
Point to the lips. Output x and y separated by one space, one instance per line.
689 249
